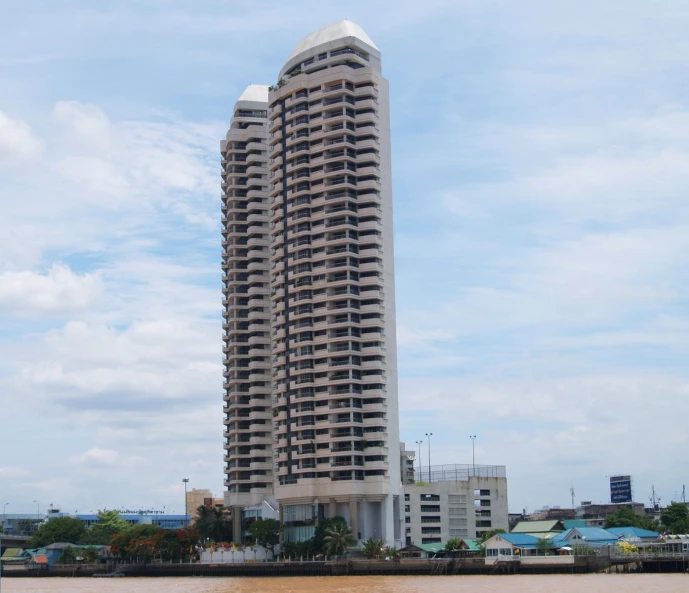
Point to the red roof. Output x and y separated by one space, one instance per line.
40 559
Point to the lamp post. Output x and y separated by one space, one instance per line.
420 474
473 453
186 511
429 435
38 514
4 520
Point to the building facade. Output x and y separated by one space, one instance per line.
311 370
464 502
246 304
201 497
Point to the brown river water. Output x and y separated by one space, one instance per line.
593 583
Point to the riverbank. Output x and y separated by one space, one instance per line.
360 567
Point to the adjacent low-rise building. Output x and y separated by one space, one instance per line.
462 501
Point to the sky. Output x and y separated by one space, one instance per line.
541 197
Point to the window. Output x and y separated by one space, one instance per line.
407 508
430 497
430 530
407 519
430 519
430 508
406 497
430 540
457 499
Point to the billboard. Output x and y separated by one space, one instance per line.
620 489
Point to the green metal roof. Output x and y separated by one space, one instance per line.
537 526
570 523
431 547
12 553
474 545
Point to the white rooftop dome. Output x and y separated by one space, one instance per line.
256 93
329 33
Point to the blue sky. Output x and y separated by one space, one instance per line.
540 157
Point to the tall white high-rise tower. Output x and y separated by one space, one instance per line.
325 204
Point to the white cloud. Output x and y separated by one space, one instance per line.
58 291
12 473
98 457
18 143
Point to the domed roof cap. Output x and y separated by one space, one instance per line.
331 32
257 93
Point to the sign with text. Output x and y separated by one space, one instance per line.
620 489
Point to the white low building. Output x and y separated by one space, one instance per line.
461 501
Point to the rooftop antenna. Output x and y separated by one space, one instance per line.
571 491
684 494
653 497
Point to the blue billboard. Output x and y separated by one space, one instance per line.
620 489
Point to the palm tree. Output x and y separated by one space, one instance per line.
337 539
213 523
373 547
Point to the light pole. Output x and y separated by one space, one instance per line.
420 474
473 453
186 511
429 435
38 514
4 520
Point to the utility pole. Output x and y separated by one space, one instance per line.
473 452
186 510
429 435
571 491
38 514
4 520
419 443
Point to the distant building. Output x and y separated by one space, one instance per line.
201 498
161 520
554 513
21 523
596 514
407 459
461 502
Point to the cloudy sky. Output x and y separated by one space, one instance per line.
541 162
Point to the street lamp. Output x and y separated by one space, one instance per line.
186 511
38 514
429 435
4 520
473 452
420 474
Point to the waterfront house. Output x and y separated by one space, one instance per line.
634 535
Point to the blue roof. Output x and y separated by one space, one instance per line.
632 532
592 535
518 539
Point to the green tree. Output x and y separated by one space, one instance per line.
101 533
544 546
317 543
675 517
626 517
60 529
213 524
337 538
90 555
27 526
373 547
68 555
392 553
264 531
488 534
452 544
